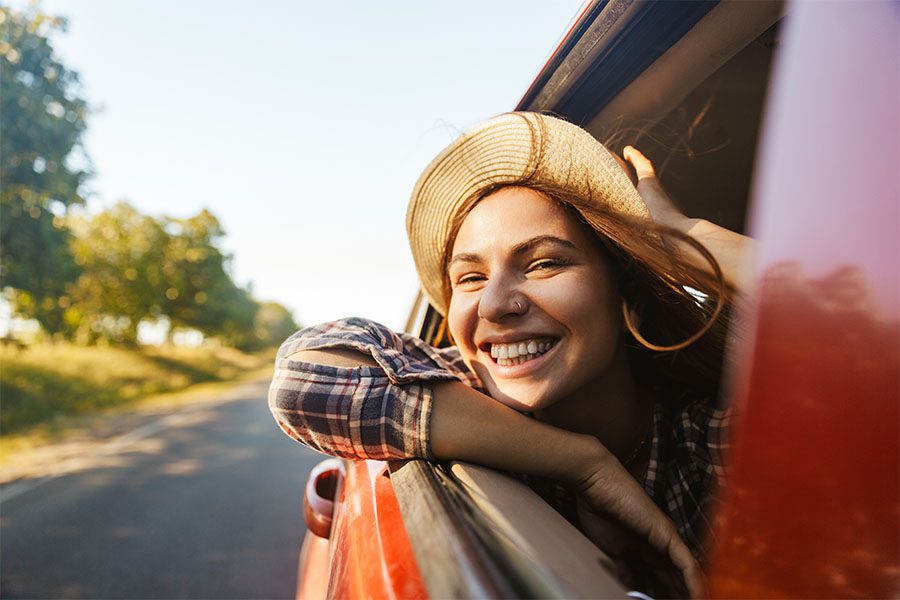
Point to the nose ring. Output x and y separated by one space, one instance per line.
520 308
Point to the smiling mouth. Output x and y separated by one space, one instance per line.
520 352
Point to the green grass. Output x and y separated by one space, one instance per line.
44 384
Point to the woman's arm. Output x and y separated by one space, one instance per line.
376 405
468 425
730 249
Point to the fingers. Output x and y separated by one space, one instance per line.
690 568
665 537
642 165
696 583
612 491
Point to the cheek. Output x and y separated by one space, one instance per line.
607 305
462 318
605 311
588 307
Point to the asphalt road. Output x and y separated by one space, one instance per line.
205 503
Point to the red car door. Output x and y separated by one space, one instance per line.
813 506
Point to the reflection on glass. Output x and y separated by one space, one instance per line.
813 509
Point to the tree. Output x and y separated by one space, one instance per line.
274 323
122 253
237 327
137 267
42 165
200 293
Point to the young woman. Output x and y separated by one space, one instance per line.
564 288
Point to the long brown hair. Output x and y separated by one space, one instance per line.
679 335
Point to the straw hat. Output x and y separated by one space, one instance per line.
513 148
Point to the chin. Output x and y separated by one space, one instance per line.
521 398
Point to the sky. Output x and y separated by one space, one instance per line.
302 126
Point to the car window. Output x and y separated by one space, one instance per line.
706 77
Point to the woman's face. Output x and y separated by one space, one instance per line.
534 309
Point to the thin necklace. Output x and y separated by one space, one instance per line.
639 447
647 437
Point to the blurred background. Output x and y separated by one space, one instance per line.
182 186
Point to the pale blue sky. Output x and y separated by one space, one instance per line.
302 126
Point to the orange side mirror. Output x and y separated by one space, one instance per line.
322 487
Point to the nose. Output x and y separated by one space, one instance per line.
500 299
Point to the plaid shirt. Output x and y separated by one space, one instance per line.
383 413
379 412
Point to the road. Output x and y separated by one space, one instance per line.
204 503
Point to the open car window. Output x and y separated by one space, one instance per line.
686 83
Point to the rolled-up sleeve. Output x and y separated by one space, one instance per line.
369 412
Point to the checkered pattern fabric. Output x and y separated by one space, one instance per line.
688 465
363 412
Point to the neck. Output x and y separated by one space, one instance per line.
610 408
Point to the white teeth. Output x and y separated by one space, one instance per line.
519 352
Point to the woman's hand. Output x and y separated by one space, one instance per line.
609 491
731 250
662 208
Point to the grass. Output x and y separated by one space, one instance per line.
43 385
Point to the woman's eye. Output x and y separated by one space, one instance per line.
546 264
469 279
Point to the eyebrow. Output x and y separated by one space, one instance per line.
518 249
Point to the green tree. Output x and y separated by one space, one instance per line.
237 327
122 254
42 165
137 267
200 293
274 323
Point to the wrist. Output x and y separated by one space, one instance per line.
677 220
697 228
587 453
